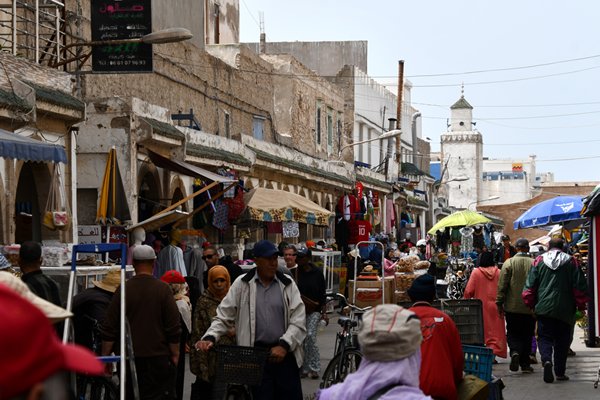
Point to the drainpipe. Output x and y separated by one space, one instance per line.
415 157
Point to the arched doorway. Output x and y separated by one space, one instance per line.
30 200
149 196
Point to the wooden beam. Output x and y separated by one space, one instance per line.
191 196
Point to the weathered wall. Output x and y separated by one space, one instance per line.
187 14
463 150
510 212
187 78
297 91
226 25
325 58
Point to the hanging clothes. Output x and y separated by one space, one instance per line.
170 257
466 240
220 217
478 241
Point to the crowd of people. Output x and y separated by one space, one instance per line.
278 304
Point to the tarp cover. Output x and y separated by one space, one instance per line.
186 169
20 147
277 206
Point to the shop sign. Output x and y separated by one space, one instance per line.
89 234
517 167
116 20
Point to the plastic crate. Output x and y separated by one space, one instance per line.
240 365
478 361
467 315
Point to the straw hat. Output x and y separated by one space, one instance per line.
111 281
52 311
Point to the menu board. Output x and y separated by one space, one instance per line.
117 20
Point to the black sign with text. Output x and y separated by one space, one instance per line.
117 20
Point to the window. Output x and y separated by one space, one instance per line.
258 126
339 130
227 125
318 124
329 131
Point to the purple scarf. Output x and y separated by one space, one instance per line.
373 375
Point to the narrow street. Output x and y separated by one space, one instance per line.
581 369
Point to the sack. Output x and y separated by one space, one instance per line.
60 219
57 214
48 220
310 305
473 388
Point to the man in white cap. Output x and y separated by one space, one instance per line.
155 328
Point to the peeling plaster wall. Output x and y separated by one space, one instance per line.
296 93
187 78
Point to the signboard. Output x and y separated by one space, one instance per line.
517 167
121 19
89 234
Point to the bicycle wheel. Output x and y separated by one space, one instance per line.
97 388
340 366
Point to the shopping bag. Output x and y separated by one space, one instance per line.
48 220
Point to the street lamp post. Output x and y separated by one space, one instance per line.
386 135
481 201
169 35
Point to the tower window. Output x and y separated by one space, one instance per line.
462 123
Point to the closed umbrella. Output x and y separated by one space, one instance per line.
551 211
460 218
112 207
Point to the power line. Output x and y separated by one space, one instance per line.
504 69
502 80
525 117
250 12
514 105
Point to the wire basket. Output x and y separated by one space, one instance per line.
239 365
478 361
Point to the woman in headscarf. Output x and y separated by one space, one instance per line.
203 364
483 285
390 339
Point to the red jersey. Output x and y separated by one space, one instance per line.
359 231
442 360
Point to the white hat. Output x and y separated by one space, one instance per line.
52 311
389 332
143 252
422 242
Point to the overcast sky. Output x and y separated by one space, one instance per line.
544 101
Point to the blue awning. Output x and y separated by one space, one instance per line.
23 148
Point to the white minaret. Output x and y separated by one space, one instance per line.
462 149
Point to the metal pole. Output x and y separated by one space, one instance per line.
399 105
14 25
37 31
591 278
123 361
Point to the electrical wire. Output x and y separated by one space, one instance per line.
251 14
505 68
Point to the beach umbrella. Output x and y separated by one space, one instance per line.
460 218
550 212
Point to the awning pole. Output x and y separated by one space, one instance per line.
203 205
191 196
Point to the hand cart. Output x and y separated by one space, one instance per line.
103 248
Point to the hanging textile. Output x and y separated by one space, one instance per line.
467 239
274 228
220 220
291 229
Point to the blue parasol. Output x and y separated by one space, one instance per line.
551 211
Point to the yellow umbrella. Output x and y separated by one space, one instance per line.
112 195
460 218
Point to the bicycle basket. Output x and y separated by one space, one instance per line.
239 365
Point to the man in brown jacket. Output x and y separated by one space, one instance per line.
520 324
155 328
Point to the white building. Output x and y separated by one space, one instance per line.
508 180
462 155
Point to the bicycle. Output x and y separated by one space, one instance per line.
347 356
238 369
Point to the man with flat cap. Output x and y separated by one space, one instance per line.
155 328
267 311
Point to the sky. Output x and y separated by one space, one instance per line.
540 89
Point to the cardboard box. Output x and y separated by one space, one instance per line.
369 293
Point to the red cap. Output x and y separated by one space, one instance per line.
30 351
172 276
